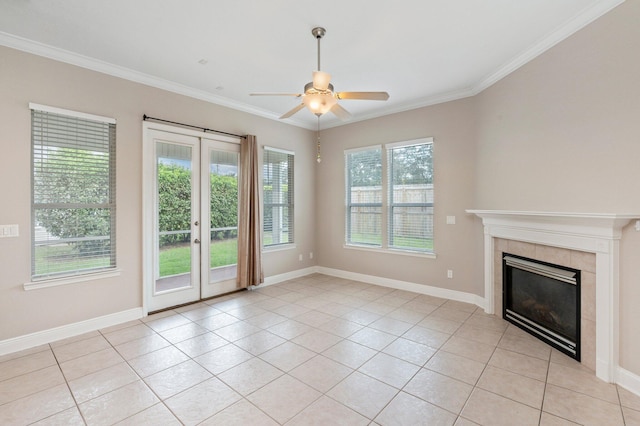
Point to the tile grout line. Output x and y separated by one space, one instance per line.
330 296
486 364
135 372
73 397
243 397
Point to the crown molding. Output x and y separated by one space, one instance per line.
572 26
415 104
587 16
62 55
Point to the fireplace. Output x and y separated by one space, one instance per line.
597 234
543 299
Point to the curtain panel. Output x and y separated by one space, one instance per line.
249 232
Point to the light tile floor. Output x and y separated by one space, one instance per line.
313 351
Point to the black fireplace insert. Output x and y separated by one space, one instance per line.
543 299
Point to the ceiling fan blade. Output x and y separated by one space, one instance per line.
297 95
321 80
293 111
371 96
340 112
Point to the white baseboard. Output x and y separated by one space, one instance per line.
628 380
405 285
53 334
38 338
275 279
624 378
385 282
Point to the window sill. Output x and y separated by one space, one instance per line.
279 247
391 251
46 283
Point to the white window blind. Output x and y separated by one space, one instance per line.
364 197
410 196
73 193
278 191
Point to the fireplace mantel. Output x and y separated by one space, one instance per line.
597 233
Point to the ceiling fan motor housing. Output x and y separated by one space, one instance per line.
309 87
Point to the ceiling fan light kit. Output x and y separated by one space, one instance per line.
319 96
321 81
319 101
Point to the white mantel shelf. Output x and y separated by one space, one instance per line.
597 233
591 225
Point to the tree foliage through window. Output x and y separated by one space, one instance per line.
174 192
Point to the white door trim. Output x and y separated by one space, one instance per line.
148 200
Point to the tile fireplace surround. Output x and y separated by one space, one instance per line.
576 232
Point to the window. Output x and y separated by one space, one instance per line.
277 181
410 196
389 201
364 196
73 196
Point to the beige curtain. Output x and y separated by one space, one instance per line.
249 235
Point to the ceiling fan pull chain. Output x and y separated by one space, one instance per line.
318 158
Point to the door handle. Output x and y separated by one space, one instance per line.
197 241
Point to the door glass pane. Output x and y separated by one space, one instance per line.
174 186
223 188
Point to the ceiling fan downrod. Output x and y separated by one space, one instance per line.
318 33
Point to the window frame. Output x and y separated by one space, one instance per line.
78 274
391 205
387 205
289 204
351 205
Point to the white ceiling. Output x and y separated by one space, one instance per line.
420 51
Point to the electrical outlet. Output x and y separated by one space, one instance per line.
449 273
300 258
451 220
310 255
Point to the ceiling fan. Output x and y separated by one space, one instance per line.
319 96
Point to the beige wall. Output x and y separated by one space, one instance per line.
559 134
26 78
452 127
562 134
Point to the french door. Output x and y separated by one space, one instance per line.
191 212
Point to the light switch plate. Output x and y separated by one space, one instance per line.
451 220
9 231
